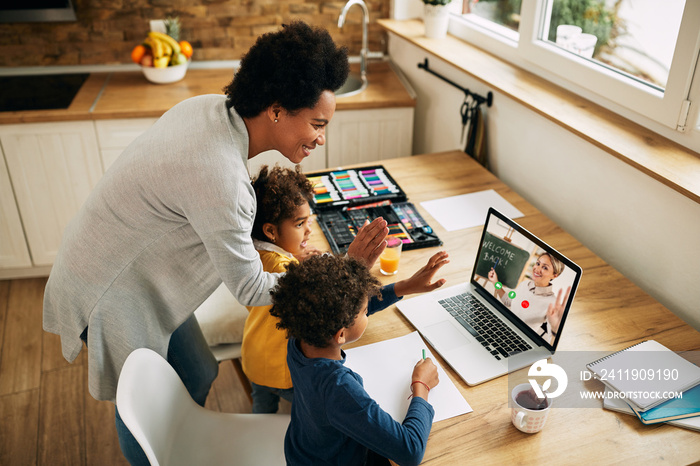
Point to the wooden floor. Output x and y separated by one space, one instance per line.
47 416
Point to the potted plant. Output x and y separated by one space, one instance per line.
436 18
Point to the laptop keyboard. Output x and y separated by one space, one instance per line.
488 329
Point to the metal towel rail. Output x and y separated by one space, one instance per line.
478 98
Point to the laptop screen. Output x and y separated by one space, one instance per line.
528 280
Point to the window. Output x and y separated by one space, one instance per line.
639 55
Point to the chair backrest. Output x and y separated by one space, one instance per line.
174 430
152 402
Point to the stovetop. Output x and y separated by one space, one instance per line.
39 92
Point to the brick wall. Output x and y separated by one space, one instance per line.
107 30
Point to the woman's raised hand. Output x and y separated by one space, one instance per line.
369 242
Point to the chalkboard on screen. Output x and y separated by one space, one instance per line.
511 260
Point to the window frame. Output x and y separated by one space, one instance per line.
588 78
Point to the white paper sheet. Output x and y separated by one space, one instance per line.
468 210
386 369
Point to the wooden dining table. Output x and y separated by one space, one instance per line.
609 313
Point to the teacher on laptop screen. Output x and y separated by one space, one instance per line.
533 300
511 312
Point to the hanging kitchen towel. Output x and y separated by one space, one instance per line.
476 138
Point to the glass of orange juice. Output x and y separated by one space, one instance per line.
389 260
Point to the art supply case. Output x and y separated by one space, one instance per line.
344 199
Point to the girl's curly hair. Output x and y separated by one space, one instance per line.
291 67
321 295
278 193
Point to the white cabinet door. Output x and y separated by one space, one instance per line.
114 135
53 168
315 161
13 246
357 136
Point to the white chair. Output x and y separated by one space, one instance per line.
174 430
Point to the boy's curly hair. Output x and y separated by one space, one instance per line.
291 67
278 192
321 295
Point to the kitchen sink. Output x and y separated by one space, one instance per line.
353 85
39 91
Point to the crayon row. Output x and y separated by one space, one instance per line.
324 190
378 182
349 184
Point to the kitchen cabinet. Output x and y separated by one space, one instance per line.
357 136
315 161
13 246
114 135
52 168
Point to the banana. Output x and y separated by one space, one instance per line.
156 47
161 62
167 49
166 39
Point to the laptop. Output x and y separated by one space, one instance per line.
496 323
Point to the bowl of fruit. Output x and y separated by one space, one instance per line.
163 59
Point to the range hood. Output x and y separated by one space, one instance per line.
36 11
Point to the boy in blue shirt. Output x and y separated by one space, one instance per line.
322 303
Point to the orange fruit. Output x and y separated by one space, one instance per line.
138 53
186 48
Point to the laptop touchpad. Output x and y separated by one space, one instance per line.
447 334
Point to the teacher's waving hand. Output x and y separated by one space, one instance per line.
173 215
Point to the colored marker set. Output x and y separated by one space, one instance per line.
345 199
348 188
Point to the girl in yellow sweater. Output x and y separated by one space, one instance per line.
280 233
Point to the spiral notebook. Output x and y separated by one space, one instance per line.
647 373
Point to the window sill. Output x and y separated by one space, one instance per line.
669 163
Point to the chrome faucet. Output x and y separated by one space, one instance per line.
365 24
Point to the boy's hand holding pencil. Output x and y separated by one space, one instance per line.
424 378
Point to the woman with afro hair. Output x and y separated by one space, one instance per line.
172 217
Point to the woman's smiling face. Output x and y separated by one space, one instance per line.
543 271
300 132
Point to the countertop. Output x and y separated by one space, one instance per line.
129 95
